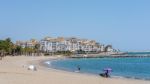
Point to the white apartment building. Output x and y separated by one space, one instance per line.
49 44
72 44
30 44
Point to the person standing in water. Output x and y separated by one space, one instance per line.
78 67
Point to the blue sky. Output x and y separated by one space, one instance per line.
123 23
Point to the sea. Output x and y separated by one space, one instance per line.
128 67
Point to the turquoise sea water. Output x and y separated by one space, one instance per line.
138 68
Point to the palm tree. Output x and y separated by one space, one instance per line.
18 50
5 47
8 45
37 49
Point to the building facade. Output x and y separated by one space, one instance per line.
29 44
72 44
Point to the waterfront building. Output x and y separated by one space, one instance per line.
50 44
21 43
72 44
109 48
29 44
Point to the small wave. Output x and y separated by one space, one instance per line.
48 62
129 77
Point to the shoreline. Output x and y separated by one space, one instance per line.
42 63
12 72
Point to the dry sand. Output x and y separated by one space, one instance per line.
13 72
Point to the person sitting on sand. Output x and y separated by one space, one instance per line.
107 73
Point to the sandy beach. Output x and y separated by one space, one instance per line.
13 70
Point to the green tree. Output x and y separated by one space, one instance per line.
28 51
18 50
65 53
37 49
2 49
6 46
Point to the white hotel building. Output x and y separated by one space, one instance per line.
50 44
72 44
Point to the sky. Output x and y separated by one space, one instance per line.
125 24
